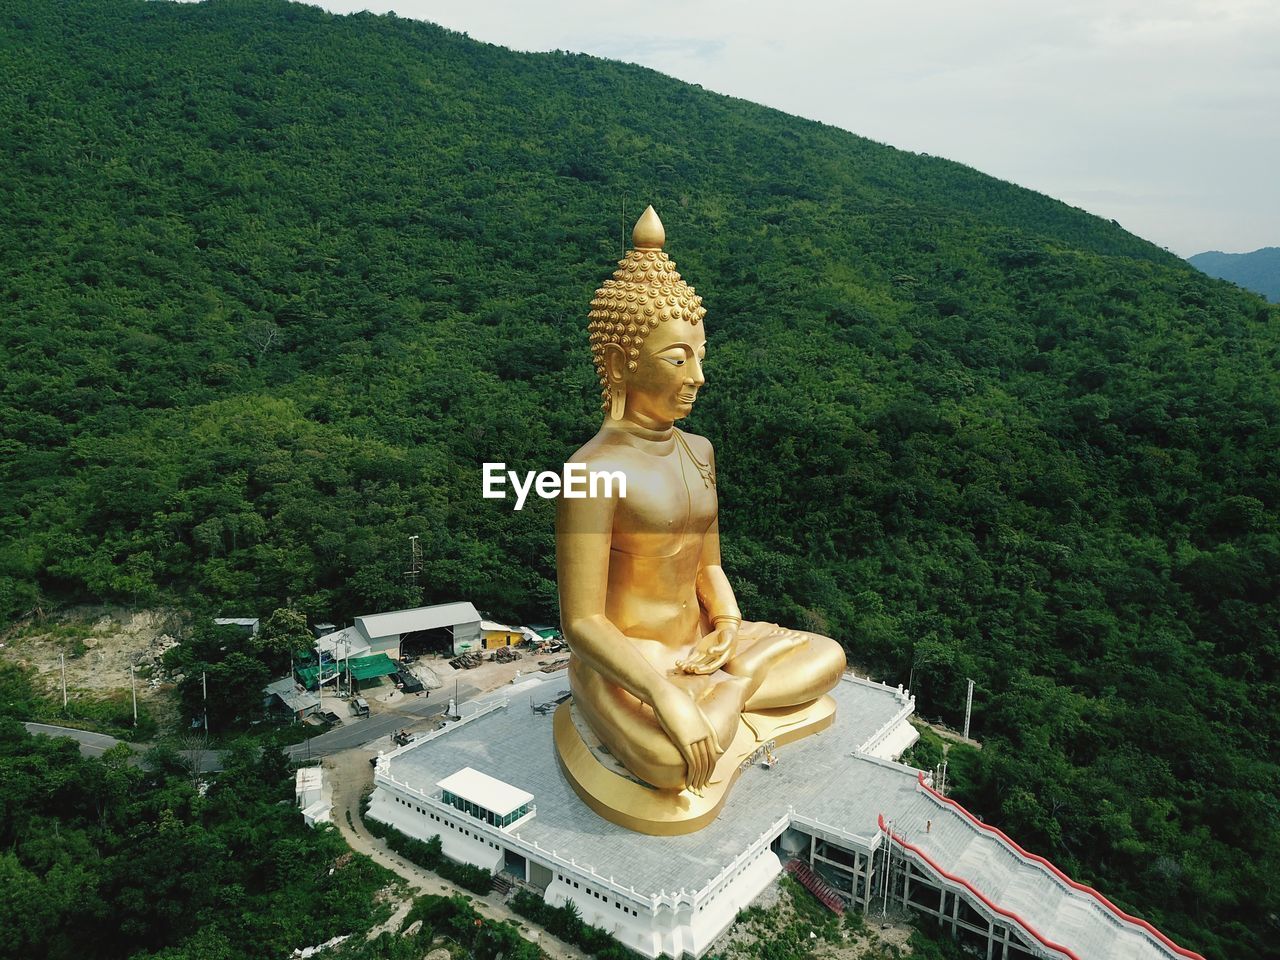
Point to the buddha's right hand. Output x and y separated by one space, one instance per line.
691 733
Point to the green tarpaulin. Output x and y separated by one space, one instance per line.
365 668
362 668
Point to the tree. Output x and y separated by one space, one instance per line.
281 637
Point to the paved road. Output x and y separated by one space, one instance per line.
91 744
405 713
96 744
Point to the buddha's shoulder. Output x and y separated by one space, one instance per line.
700 446
605 451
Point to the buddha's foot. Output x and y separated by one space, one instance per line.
619 797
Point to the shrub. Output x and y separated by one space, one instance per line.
566 923
429 854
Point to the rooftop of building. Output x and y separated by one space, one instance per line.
347 642
485 791
418 618
819 777
289 693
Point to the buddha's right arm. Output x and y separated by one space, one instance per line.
583 538
613 655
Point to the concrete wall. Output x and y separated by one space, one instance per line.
467 637
389 645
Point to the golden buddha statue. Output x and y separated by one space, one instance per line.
672 690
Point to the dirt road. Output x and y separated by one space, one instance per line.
351 775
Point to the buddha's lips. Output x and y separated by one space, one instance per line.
683 399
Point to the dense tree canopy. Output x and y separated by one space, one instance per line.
275 283
102 858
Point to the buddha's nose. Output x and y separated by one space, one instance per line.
697 378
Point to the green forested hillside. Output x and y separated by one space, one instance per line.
275 283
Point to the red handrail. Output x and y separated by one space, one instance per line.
1066 951
1181 951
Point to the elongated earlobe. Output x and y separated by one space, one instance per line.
617 401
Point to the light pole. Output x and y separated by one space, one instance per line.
133 683
62 659
968 709
888 861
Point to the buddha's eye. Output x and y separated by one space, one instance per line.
675 362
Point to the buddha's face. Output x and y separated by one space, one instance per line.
668 374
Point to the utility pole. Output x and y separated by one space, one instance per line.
888 868
415 562
133 682
968 709
62 658
204 694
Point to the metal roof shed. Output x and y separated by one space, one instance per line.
298 702
385 631
419 618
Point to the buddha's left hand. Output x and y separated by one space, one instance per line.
712 651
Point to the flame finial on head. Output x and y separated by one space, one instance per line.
648 233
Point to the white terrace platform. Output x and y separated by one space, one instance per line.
829 800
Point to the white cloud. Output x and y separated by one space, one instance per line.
1164 114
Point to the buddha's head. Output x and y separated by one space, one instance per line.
646 333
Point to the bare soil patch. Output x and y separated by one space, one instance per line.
99 645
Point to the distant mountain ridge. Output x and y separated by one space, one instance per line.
1258 271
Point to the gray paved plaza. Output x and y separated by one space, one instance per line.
819 776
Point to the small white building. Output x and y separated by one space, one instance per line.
345 644
313 795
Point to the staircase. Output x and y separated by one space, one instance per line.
997 877
807 878
502 883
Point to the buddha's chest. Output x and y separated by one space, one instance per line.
668 502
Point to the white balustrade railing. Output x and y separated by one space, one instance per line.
907 708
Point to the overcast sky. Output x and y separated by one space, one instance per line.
1162 114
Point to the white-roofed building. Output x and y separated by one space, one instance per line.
868 832
313 795
248 624
343 644
458 623
486 798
